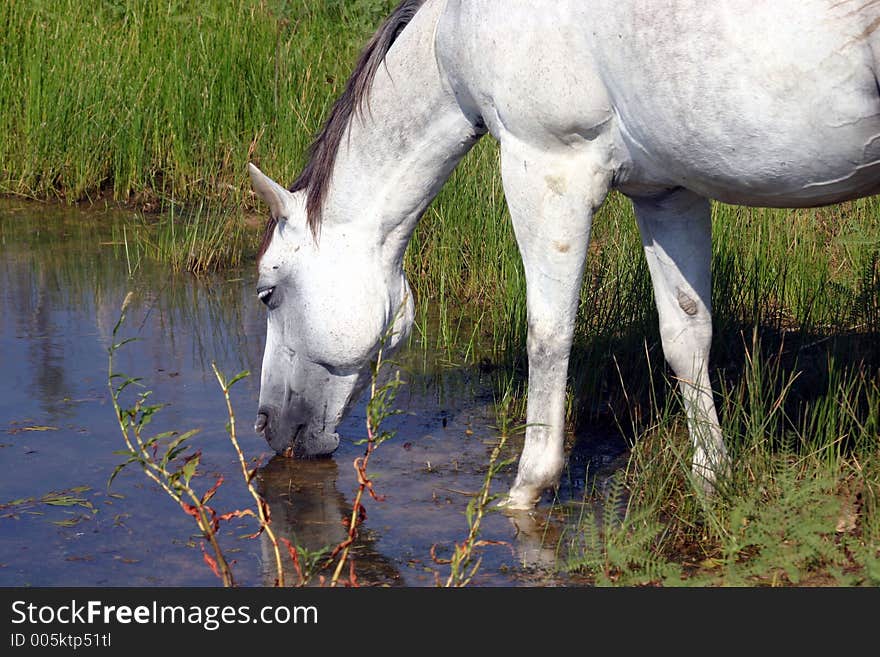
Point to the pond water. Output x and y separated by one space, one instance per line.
63 274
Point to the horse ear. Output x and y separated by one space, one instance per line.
275 196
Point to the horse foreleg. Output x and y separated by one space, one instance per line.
552 197
677 236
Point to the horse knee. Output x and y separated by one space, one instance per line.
548 341
686 345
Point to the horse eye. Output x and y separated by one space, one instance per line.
265 294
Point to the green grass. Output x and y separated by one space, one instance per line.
198 240
146 100
162 104
802 512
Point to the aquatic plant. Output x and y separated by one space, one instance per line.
379 408
165 457
798 509
464 561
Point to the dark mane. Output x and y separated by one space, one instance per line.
315 177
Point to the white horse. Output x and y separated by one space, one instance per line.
766 103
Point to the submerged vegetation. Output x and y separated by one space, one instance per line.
161 105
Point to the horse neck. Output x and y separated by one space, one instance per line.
397 154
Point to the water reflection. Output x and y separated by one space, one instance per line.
63 275
308 510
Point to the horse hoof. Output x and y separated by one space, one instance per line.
518 501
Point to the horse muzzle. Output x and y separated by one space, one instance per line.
299 440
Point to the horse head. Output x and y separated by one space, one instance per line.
331 304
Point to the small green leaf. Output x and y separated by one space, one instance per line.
238 377
189 468
70 522
159 436
132 380
123 343
147 413
119 469
176 447
173 454
61 501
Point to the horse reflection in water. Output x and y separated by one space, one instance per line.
308 510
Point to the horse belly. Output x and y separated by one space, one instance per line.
804 166
795 158
753 103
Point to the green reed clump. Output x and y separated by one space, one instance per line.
167 101
787 527
198 241
800 506
161 106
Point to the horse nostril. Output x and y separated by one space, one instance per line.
261 422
